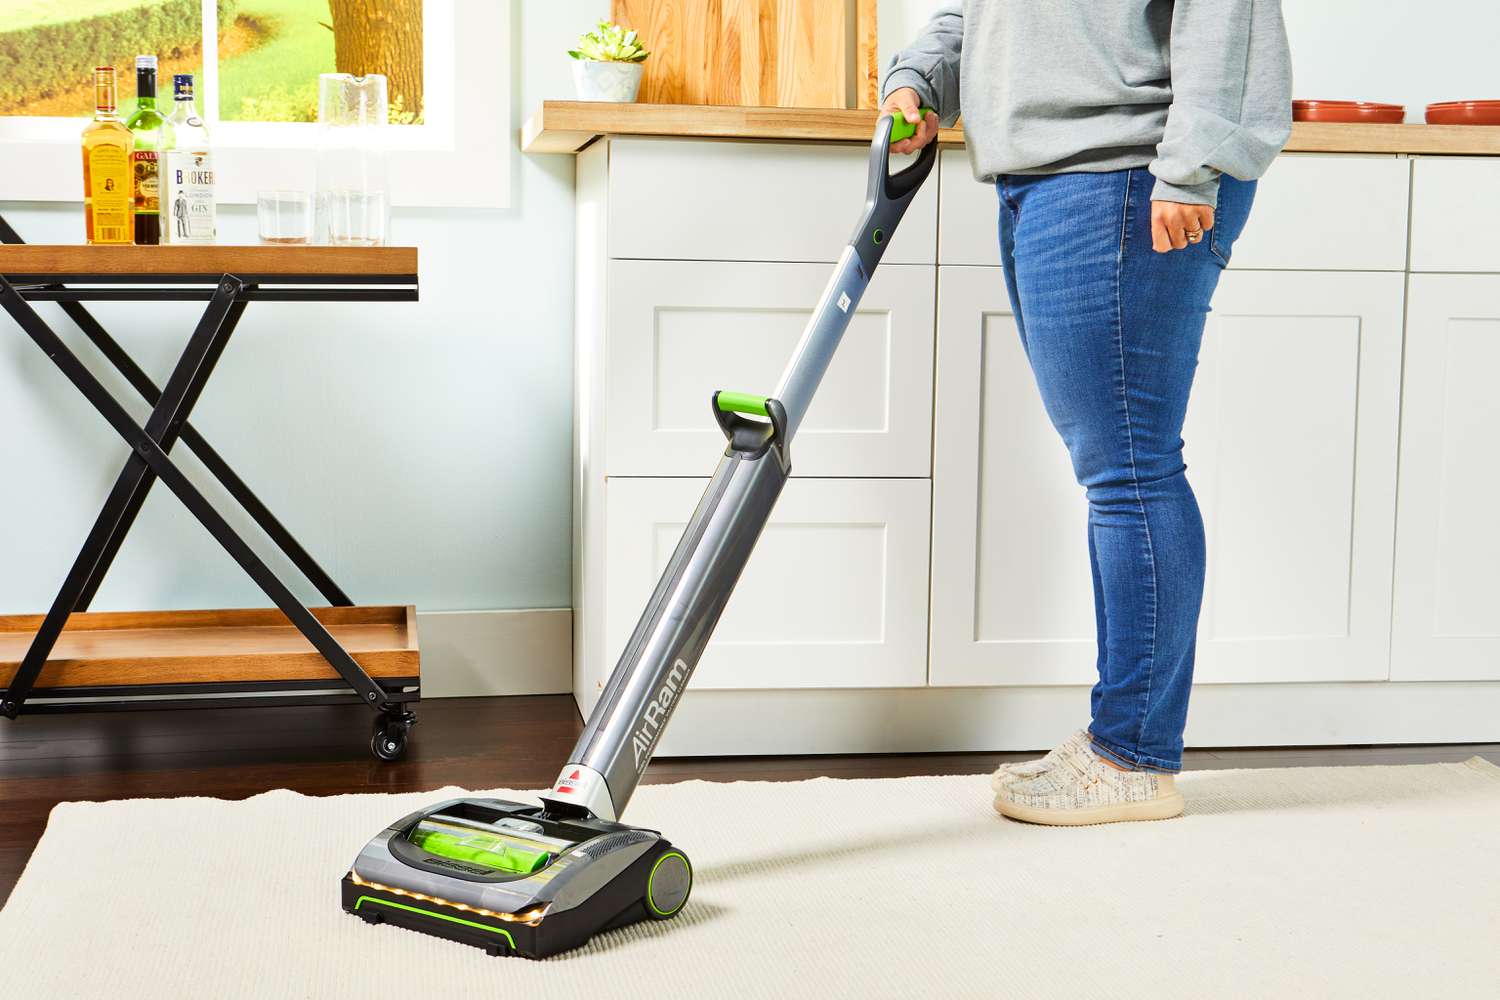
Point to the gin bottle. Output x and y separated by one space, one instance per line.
187 190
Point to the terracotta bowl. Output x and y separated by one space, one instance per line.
1363 112
1464 113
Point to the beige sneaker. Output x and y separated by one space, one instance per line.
1080 788
1031 768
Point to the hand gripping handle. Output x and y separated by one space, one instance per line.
888 194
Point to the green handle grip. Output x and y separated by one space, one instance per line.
903 129
742 402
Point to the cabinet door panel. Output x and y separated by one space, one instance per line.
685 199
1335 212
1290 448
1455 217
1447 605
1359 204
969 210
678 330
835 594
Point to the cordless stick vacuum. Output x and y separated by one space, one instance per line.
535 880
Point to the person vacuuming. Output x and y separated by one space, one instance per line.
1123 141
537 879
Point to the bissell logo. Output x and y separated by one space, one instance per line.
657 711
570 783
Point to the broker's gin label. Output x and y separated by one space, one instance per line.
187 198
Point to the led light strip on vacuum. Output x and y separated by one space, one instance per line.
530 918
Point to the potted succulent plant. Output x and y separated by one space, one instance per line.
607 64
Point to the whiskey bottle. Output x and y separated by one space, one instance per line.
107 210
187 171
145 125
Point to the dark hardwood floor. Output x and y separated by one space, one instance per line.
469 742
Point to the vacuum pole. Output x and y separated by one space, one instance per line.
652 673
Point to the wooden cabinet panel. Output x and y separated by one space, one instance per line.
834 596
1447 603
759 53
678 330
1291 449
692 200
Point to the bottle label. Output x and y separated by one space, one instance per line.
147 181
187 198
110 197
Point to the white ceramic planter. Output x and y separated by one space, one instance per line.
607 81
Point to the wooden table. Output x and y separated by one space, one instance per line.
72 659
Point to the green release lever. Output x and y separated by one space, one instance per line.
741 402
903 129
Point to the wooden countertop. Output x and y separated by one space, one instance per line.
333 262
568 126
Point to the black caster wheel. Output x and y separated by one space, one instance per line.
388 739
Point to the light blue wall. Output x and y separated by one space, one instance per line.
422 451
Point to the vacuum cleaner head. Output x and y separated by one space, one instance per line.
509 878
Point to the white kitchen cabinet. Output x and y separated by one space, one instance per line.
969 224
932 542
684 199
1291 447
1455 214
835 595
678 330
1447 604
1345 213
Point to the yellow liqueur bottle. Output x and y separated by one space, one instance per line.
108 198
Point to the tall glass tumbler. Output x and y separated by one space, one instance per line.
353 197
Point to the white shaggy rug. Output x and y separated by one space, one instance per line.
1311 882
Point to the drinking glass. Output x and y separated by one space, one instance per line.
285 216
356 218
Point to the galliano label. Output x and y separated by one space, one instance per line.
143 163
187 199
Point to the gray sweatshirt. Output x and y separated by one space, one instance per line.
1190 89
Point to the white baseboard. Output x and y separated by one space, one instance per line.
710 723
467 653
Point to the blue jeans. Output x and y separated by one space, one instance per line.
1112 331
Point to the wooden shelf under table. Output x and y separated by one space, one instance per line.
112 648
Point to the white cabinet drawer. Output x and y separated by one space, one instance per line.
1291 447
693 200
969 226
1323 212
678 330
835 594
1447 605
1345 213
1455 214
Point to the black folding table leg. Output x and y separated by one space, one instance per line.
165 429
134 481
216 466
158 461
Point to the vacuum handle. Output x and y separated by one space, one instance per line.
888 194
903 129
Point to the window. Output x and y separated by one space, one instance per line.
268 52
256 65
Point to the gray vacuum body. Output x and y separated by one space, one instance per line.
537 879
